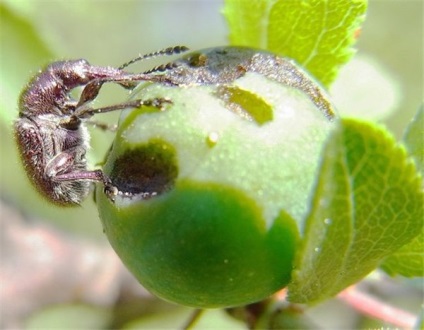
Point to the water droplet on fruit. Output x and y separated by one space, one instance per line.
212 139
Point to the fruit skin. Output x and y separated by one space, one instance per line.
209 215
202 245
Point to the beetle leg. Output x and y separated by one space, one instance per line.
90 92
102 126
86 112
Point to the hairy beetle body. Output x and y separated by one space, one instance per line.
50 132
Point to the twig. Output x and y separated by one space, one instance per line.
378 309
194 317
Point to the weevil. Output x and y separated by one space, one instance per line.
51 133
51 128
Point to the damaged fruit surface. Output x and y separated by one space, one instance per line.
213 188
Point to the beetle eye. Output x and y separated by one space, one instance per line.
72 123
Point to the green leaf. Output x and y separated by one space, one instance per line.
408 260
368 203
318 34
414 139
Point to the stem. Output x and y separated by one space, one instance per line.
378 309
194 317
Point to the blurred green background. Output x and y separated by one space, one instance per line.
34 33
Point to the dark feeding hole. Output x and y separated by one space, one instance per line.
147 170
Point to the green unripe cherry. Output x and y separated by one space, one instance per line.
210 187
203 245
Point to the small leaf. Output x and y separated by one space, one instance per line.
318 34
248 22
414 139
408 261
367 204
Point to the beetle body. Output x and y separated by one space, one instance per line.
48 151
51 144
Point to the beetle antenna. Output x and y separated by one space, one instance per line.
167 51
162 68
